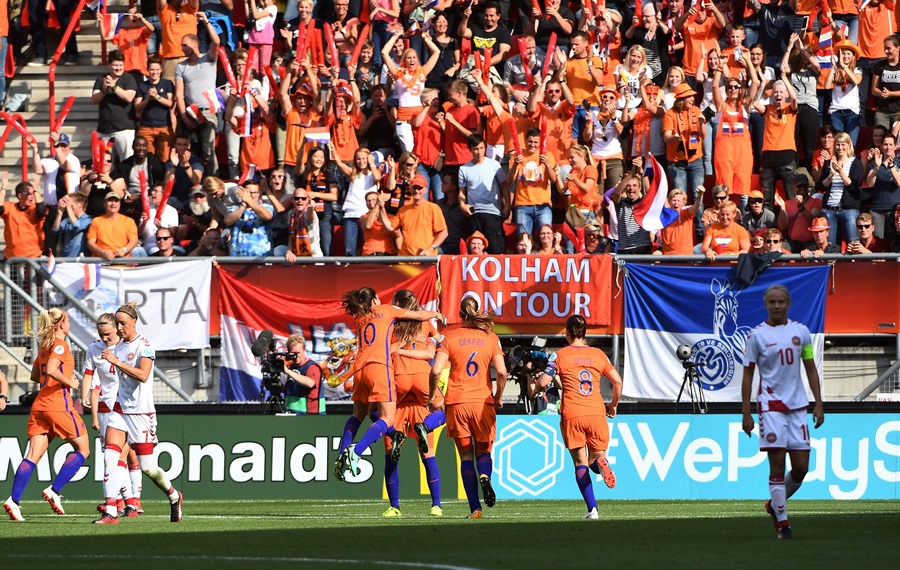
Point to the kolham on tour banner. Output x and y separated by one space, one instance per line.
529 288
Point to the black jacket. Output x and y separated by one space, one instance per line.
850 199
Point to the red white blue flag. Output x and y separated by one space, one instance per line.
651 212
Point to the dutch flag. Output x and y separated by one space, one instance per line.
91 276
651 212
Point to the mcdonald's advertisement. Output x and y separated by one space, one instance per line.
853 456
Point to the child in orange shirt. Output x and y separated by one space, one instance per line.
132 40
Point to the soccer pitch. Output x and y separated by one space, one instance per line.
513 534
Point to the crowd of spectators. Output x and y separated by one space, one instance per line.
408 127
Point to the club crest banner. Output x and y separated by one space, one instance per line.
523 289
246 310
172 310
711 311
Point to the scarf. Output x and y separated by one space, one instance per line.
299 234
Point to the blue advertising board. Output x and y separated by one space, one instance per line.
853 456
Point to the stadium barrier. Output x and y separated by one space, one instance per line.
854 456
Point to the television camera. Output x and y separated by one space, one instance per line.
523 365
271 365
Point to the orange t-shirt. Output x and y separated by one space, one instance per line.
779 131
132 42
471 352
698 39
533 182
174 28
343 134
496 131
843 7
419 224
296 127
427 137
685 123
733 65
377 239
53 396
112 233
373 335
678 237
523 123
456 150
578 197
559 128
23 231
579 79
580 369
804 7
726 240
875 24
427 336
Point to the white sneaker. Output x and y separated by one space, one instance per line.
54 499
15 513
592 514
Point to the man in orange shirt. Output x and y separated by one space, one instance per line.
701 28
533 173
725 237
583 424
177 18
552 100
779 151
421 222
23 222
113 235
678 237
584 72
460 120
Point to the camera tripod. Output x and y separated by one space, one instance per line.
274 403
690 378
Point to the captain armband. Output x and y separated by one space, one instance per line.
806 353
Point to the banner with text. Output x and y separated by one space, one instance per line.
528 289
710 310
245 310
172 299
252 457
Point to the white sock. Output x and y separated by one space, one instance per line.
791 485
111 478
152 470
136 481
779 500
122 473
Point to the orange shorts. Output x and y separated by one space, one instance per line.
64 425
412 389
404 420
477 420
592 431
374 382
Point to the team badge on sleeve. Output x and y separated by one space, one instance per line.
58 349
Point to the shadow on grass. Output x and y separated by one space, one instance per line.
832 541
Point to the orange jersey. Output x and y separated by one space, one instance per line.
373 335
471 352
404 365
53 396
580 369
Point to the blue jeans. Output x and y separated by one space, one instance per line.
529 218
852 22
380 36
580 120
37 15
156 38
846 219
751 31
435 181
326 233
866 66
351 236
687 176
846 121
4 45
709 143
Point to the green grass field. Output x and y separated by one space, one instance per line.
514 534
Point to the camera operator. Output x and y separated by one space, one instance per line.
303 388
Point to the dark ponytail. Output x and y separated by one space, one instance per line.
358 302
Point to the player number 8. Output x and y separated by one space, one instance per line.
585 380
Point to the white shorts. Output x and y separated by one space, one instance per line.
784 430
103 421
140 428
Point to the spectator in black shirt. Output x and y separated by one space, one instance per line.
377 129
493 35
115 93
141 161
555 18
165 241
187 170
459 225
154 102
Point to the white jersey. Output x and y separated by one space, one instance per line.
777 354
103 375
135 397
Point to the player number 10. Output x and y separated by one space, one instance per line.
786 355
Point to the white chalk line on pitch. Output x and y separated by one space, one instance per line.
242 559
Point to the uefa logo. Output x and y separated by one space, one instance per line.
529 455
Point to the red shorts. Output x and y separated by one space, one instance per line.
374 382
477 420
64 425
592 431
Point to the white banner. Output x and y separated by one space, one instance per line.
172 299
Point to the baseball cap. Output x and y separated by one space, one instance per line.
418 181
198 191
819 225
111 195
64 139
757 195
802 177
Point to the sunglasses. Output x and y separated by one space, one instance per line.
733 87
720 198
863 226
160 238
301 198
607 98
554 90
773 241
410 164
755 201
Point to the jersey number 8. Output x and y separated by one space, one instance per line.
586 382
